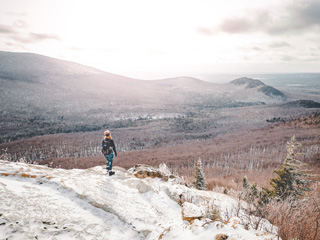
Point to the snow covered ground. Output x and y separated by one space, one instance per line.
37 202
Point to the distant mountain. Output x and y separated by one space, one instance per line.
303 103
41 95
270 91
247 82
260 86
66 81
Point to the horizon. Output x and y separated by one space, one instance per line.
213 77
153 40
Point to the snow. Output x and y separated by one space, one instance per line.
37 202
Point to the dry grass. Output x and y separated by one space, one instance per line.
227 159
25 175
298 222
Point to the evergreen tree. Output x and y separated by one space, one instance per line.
200 181
291 181
249 192
245 184
245 187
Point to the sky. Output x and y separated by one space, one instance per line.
153 39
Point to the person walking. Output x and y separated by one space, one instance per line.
108 150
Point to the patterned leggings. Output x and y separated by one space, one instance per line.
109 160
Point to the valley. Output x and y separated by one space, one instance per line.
54 112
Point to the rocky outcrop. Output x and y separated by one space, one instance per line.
221 236
134 208
144 171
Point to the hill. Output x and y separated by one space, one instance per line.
250 83
247 82
42 95
34 201
303 104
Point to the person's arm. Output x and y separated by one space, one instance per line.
114 147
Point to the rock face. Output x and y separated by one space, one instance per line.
144 171
221 236
133 208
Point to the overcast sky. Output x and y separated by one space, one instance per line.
163 38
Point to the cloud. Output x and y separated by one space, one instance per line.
19 33
20 14
257 49
35 37
237 25
287 58
76 49
279 44
20 24
297 16
5 29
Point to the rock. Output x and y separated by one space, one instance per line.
233 222
190 212
148 173
143 187
221 236
145 232
180 199
144 171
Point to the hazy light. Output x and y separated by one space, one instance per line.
164 37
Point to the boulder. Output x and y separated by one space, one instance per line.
143 187
190 212
221 236
144 171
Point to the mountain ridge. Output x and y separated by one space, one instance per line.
66 96
133 208
251 83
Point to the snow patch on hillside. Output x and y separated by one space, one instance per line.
44 203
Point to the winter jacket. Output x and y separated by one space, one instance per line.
111 144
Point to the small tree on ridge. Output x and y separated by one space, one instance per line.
292 181
200 181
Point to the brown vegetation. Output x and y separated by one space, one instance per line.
226 158
300 221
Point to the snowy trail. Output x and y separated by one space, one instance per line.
51 209
37 202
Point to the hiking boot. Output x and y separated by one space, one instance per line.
107 168
111 173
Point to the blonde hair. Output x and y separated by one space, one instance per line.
107 134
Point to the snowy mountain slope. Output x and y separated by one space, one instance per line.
37 202
42 95
258 86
